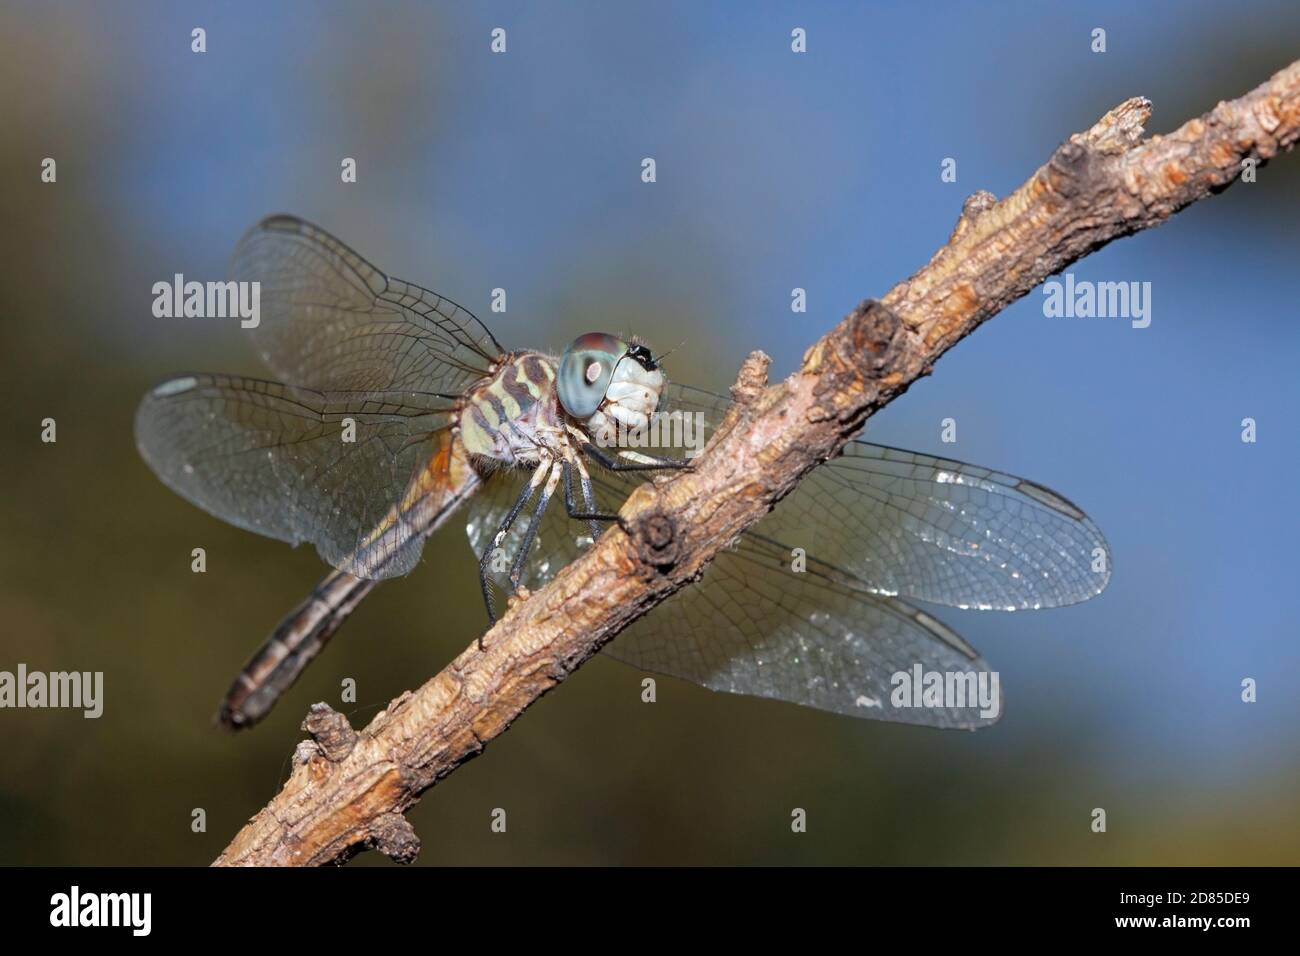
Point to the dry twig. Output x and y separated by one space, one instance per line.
348 790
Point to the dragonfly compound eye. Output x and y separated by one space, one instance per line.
585 372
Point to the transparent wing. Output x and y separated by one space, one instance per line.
933 529
273 459
752 625
332 321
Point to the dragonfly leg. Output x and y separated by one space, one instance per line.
589 512
489 553
616 463
517 569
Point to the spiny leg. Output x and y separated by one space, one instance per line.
500 536
590 515
589 499
623 459
517 569
615 463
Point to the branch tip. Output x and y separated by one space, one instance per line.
1120 129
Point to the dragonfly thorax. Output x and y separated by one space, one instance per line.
513 414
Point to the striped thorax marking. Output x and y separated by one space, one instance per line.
508 416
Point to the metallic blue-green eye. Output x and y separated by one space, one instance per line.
585 371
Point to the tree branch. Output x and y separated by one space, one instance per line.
348 790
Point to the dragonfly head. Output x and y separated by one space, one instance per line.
606 382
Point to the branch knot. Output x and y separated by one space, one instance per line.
392 835
1071 169
333 734
656 537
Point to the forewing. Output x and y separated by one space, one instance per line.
933 529
332 321
274 459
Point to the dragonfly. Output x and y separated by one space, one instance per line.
392 409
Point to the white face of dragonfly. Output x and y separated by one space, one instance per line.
607 383
632 396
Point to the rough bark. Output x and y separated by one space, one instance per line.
348 790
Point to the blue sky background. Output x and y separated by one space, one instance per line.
775 170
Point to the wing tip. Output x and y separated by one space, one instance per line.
281 222
276 222
1051 499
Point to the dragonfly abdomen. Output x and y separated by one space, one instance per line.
433 496
300 637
